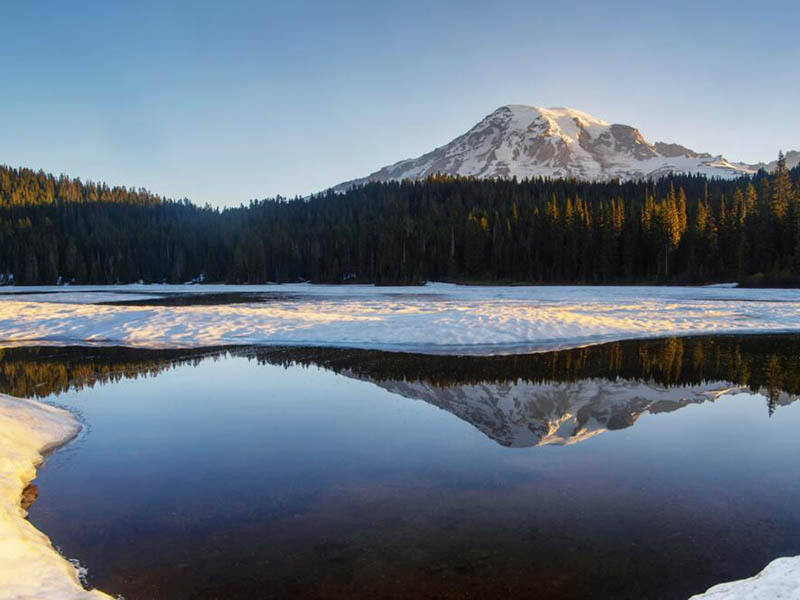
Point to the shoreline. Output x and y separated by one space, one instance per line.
780 579
30 567
19 288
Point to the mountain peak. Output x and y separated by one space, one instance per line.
523 115
518 140
553 112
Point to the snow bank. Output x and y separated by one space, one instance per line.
434 318
780 580
30 568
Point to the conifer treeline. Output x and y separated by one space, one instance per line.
680 229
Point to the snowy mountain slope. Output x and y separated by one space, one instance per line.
527 141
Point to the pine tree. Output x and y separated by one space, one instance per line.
781 189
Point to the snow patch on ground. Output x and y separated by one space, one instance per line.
30 568
436 318
780 580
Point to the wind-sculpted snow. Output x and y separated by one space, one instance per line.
436 318
30 568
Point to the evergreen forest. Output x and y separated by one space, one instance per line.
678 230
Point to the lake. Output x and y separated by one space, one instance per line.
639 469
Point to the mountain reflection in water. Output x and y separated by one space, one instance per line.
560 397
306 473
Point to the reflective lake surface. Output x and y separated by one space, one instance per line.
644 469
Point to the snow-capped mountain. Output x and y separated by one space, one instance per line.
527 141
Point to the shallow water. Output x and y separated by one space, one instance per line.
604 472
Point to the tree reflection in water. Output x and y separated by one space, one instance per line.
518 400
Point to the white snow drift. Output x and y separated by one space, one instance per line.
436 318
780 580
30 568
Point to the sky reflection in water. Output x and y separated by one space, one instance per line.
316 473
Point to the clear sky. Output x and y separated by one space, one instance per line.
222 102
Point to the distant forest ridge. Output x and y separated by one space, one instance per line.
679 229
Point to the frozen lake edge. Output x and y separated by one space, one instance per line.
436 318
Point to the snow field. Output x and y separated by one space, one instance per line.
436 318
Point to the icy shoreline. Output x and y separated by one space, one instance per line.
780 580
435 318
30 568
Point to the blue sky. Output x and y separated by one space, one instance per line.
224 102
